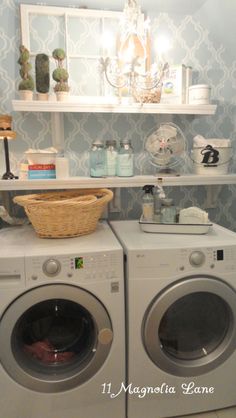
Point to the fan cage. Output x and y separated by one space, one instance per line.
171 150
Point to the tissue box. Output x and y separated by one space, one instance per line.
174 85
41 156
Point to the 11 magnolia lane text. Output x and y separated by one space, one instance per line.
189 388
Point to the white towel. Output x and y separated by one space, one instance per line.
193 215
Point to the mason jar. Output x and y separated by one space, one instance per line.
111 157
168 211
125 159
97 159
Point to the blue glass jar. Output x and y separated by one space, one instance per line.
97 158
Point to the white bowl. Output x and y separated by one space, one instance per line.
199 94
41 158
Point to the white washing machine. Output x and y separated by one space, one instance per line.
181 305
61 325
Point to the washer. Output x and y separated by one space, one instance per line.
181 306
62 325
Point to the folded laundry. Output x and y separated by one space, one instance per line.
47 353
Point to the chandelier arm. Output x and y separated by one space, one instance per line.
153 86
156 83
117 86
104 66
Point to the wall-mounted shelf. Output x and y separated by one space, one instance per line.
79 105
114 182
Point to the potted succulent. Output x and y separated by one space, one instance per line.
60 75
26 85
42 76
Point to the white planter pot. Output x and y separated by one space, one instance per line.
62 96
42 96
26 94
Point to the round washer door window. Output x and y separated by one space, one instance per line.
189 329
54 337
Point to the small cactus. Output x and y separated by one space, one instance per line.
27 82
42 73
60 74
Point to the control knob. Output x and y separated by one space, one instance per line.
51 267
197 258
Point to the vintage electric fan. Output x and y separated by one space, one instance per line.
165 147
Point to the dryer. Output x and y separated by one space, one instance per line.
61 325
181 308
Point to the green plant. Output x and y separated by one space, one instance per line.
27 82
60 74
42 73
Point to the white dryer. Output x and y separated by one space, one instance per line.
181 306
61 325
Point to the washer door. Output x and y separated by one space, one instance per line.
189 329
54 337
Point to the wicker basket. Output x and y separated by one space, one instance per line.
65 214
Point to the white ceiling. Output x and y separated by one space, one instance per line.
158 6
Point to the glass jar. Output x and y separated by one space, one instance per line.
157 205
125 159
111 157
168 211
97 159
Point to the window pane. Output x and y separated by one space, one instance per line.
46 33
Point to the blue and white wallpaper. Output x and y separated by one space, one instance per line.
202 39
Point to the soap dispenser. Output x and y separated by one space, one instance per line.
148 203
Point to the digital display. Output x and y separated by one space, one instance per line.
220 255
79 263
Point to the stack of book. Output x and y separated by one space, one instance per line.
41 171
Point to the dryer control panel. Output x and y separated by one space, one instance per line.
164 262
76 267
222 258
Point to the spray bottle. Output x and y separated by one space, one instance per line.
148 203
158 196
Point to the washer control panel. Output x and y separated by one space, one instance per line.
76 267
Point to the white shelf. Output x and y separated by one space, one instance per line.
114 182
77 105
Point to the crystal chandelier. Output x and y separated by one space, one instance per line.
130 72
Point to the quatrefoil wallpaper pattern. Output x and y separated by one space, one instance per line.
198 40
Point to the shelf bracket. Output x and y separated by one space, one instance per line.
212 193
115 204
58 138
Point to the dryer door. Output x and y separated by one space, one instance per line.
54 337
190 328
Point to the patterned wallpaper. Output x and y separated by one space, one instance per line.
197 43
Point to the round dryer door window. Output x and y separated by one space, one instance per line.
54 337
189 328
